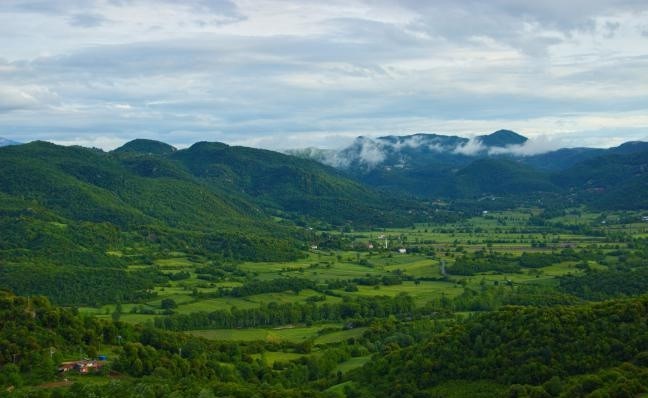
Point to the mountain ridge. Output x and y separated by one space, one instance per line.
504 162
424 149
75 204
7 142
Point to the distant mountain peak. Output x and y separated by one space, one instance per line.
141 145
630 147
207 145
7 142
502 138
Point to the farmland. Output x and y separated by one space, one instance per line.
358 296
369 264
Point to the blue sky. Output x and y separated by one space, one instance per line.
290 74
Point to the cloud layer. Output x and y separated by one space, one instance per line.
288 74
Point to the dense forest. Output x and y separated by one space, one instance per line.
533 351
526 346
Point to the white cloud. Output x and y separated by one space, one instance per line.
472 147
534 146
287 73
13 98
371 153
103 142
414 141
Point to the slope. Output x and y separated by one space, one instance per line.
292 187
617 181
520 345
71 206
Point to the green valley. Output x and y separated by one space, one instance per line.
235 272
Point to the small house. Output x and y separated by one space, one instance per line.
66 366
402 250
84 366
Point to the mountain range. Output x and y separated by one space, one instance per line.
7 142
501 163
434 150
75 204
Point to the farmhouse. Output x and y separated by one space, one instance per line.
66 366
84 366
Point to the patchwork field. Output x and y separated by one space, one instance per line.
371 262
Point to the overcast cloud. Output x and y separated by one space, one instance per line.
289 74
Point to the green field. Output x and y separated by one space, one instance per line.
428 248
270 357
294 334
342 335
352 363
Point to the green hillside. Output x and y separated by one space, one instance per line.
617 181
146 147
588 350
91 214
533 350
292 187
501 176
73 204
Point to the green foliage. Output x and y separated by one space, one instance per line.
32 330
599 285
490 298
295 187
481 261
470 264
612 181
168 304
274 314
144 146
519 345
71 285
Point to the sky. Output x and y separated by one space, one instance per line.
291 74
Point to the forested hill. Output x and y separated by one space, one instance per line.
535 350
36 336
614 181
571 351
503 163
72 204
287 185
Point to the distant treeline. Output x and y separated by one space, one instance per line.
274 314
70 285
483 261
600 285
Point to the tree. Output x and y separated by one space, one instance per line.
168 304
116 315
10 376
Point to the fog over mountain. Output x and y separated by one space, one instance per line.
501 163
366 153
6 142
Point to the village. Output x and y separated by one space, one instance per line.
83 366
